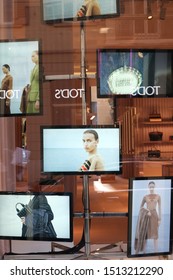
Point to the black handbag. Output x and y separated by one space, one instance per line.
154 153
36 223
155 117
24 210
155 136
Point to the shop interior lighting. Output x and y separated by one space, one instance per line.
149 10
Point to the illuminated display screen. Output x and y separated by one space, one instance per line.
62 10
134 73
36 216
80 150
20 76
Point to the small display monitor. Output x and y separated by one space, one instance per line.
150 215
134 73
78 10
36 216
20 78
80 149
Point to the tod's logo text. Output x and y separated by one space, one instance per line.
69 93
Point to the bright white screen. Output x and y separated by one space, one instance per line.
10 222
63 149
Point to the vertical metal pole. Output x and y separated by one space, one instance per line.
83 73
84 122
86 214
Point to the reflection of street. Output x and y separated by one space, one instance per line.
21 173
20 159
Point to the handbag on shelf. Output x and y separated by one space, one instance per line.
155 117
155 136
154 153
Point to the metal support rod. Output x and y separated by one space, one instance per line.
67 77
83 73
108 214
84 122
86 214
101 214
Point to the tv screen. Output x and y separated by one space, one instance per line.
150 211
80 150
36 216
20 90
134 73
62 10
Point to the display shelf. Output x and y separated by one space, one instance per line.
164 122
164 145
158 142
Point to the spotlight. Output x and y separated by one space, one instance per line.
150 16
149 11
90 116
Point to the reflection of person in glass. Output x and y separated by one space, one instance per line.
5 90
149 220
89 8
90 142
36 218
33 104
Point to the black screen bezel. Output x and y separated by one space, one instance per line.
81 19
60 194
130 204
107 95
40 112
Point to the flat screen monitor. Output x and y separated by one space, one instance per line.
20 78
80 150
78 10
150 212
134 73
36 216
